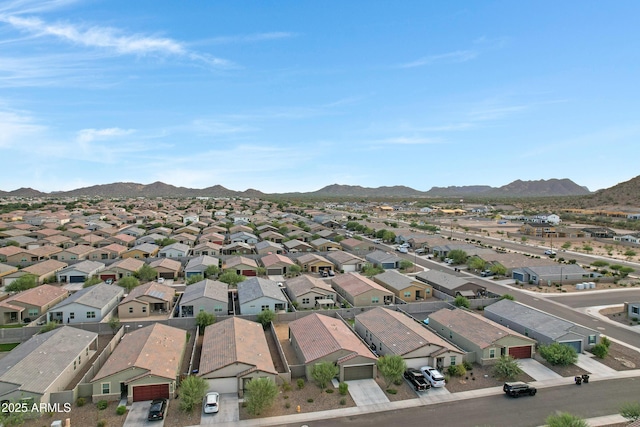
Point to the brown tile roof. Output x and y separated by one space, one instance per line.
355 284
45 251
235 340
275 259
10 250
318 336
130 264
115 247
38 296
44 267
399 332
80 249
312 258
169 264
240 260
477 329
157 348
152 289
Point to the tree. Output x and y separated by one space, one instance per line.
194 279
587 248
294 270
559 354
324 372
391 367
370 270
146 273
211 271
231 278
192 391
405 265
630 411
91 281
458 256
388 236
260 394
265 317
114 324
128 283
566 245
630 253
461 301
565 419
498 269
204 319
12 418
507 368
261 271
477 263
23 283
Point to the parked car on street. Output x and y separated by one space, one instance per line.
518 388
549 252
157 409
417 379
435 378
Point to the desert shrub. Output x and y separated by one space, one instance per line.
310 400
300 383
120 410
600 351
81 401
261 393
102 404
286 386
456 370
287 405
467 365
392 391
606 341
507 368
102 423
343 401
565 419
329 390
559 354
343 388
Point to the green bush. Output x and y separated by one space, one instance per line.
343 401
343 388
329 390
456 370
507 368
287 405
102 423
559 354
392 391
300 383
600 351
310 400
286 386
565 419
467 365
606 341
102 404
81 401
120 410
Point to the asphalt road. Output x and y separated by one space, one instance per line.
600 298
588 400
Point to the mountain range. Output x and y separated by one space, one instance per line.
518 188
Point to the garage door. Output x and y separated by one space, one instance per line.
224 385
523 352
166 275
248 273
274 271
518 276
107 277
76 279
577 345
358 372
150 392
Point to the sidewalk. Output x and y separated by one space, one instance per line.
426 400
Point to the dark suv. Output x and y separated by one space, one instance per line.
417 379
517 389
157 410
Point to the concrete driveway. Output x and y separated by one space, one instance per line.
366 392
137 415
229 411
537 370
596 368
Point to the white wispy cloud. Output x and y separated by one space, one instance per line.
248 38
33 6
111 39
89 135
451 57
16 127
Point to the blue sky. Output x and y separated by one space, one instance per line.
295 95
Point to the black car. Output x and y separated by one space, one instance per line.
417 379
157 409
517 389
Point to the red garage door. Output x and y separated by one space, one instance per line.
249 273
107 277
523 352
150 392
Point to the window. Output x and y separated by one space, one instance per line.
453 360
74 365
91 314
492 353
635 309
450 334
33 312
79 360
144 309
592 339
264 307
217 309
106 388
305 300
375 300
72 315
130 309
407 294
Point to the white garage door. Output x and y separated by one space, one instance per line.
224 385
348 268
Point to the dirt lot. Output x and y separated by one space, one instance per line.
617 314
621 358
87 415
479 377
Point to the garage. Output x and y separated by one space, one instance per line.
166 275
361 372
577 345
150 392
521 352
76 279
274 271
248 273
104 277
224 385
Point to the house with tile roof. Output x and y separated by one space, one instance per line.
386 260
451 285
167 268
360 291
44 364
175 250
198 265
145 250
404 287
207 295
42 270
30 304
345 262
295 245
541 326
152 298
122 268
324 245
355 245
90 304
393 332
144 366
257 294
276 264
318 338
235 351
310 292
207 248
74 253
484 339
314 263
79 272
111 251
267 247
241 265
